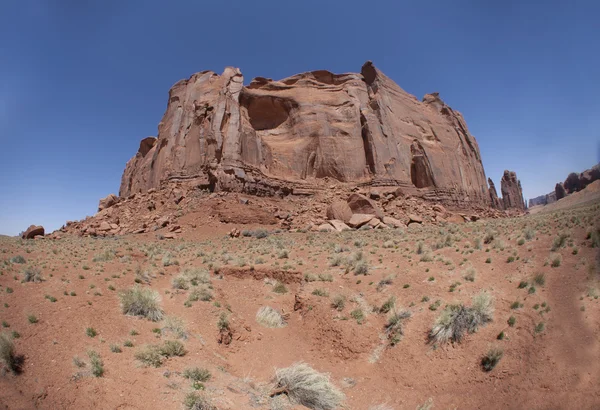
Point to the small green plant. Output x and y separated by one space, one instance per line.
488 260
556 260
320 292
491 359
510 259
559 241
388 305
523 284
91 332
155 355
539 328
361 268
115 348
223 323
339 302
195 401
531 290
96 363
197 374
8 355
17 259
279 288
516 305
32 319
358 315
540 279
128 343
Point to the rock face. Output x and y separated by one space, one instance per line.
512 194
494 200
543 199
33 231
270 137
576 182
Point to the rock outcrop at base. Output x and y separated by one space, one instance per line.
280 137
33 231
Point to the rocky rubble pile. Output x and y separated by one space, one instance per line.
172 211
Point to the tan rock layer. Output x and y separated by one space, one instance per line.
355 128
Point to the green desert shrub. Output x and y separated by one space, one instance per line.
305 386
197 401
32 274
144 302
491 359
559 241
8 357
176 326
338 302
393 327
96 363
17 259
456 320
269 317
155 355
197 374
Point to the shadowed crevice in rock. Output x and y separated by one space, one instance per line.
367 144
420 170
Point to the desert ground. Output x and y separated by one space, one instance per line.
498 313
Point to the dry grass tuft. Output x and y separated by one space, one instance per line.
307 387
456 320
269 317
144 302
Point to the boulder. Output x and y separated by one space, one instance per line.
107 202
439 208
374 194
339 225
325 228
339 210
104 226
33 231
359 220
414 219
374 223
360 204
393 222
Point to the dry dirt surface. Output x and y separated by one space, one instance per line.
359 306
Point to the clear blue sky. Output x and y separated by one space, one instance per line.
81 82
